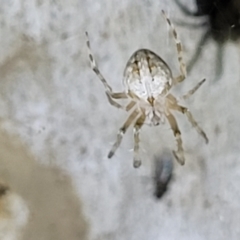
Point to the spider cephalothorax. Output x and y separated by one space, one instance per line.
148 80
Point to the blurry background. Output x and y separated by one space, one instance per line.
57 125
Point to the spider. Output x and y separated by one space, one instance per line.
148 80
222 22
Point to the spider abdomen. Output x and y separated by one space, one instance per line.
146 75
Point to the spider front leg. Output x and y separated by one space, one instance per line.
182 64
122 131
108 90
136 129
179 154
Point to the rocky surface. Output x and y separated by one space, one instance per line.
54 106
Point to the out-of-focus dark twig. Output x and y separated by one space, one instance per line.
163 168
222 23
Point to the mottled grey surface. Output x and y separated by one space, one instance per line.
52 100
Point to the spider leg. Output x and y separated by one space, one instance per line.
110 94
110 97
179 154
172 104
182 64
112 102
130 106
122 131
137 127
193 90
193 122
